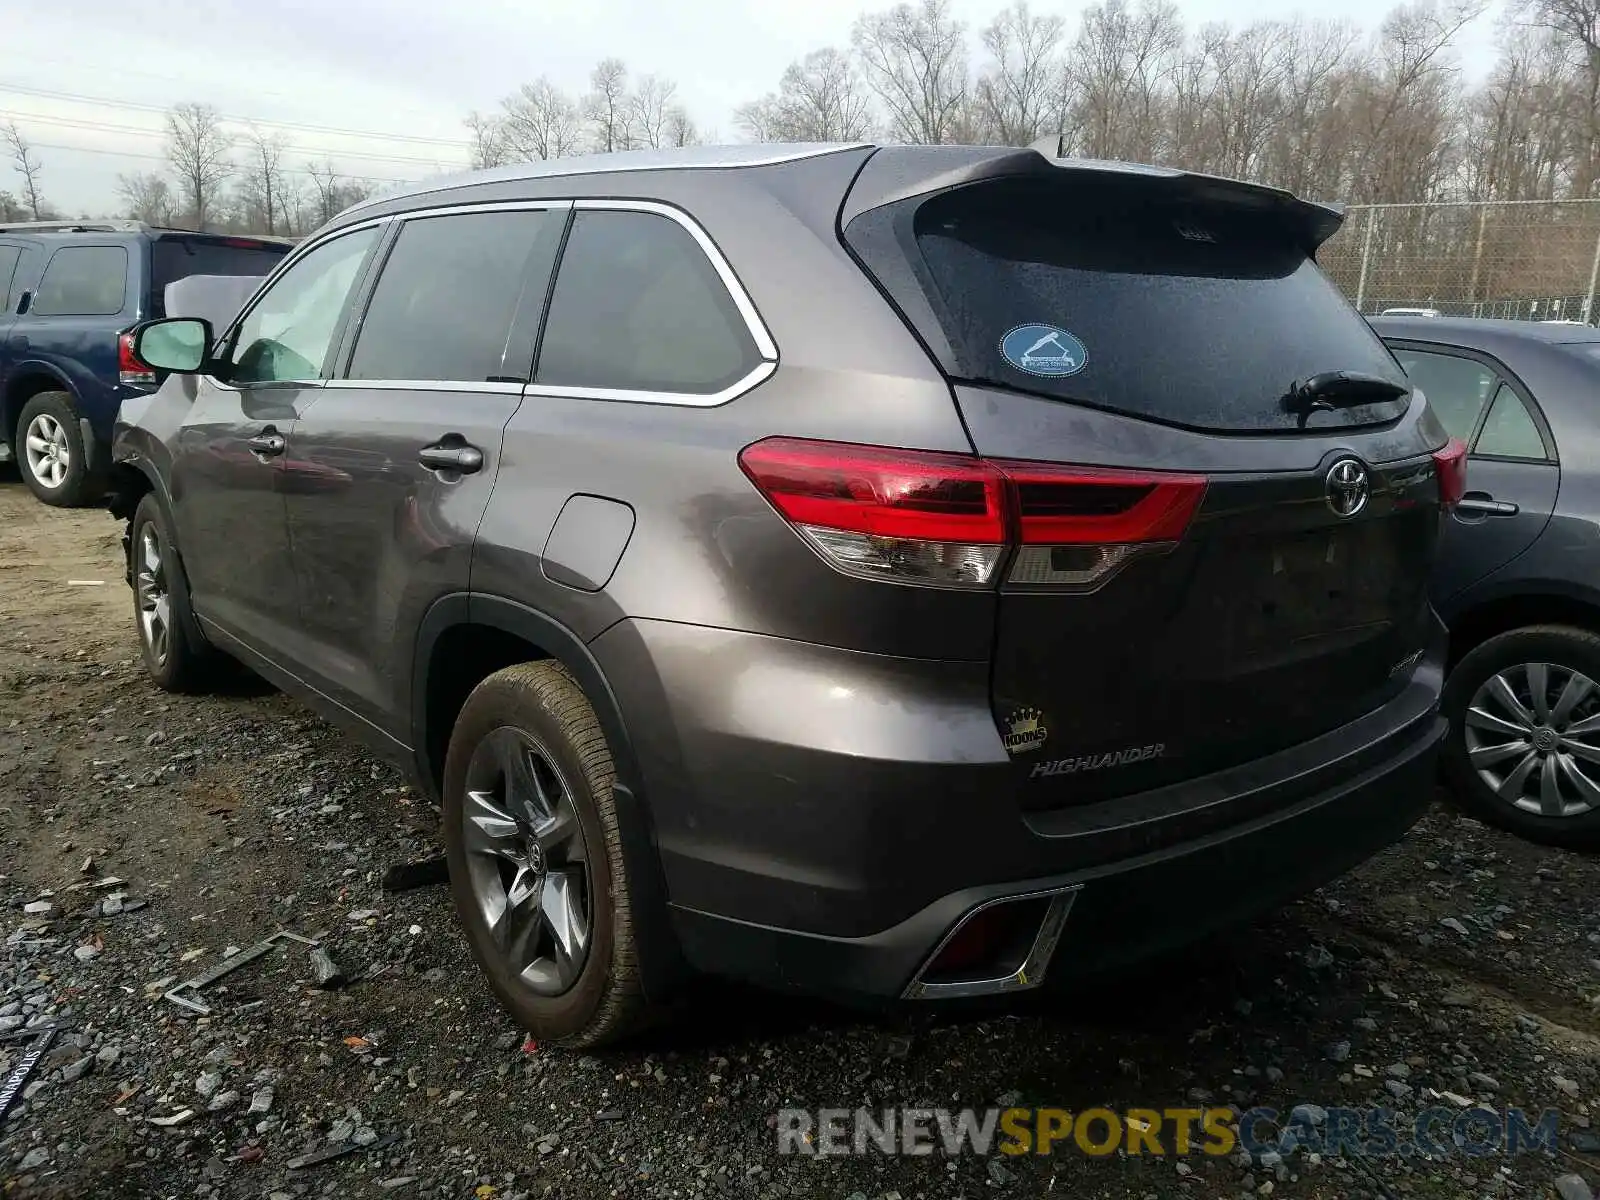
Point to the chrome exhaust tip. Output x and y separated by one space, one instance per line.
989 952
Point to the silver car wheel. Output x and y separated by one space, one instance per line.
527 860
1533 736
47 450
154 599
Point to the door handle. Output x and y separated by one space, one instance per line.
1483 505
269 445
451 455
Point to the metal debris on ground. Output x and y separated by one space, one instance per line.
12 1087
317 1157
402 877
185 995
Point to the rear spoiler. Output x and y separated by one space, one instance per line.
898 173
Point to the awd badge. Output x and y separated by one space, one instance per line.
1024 731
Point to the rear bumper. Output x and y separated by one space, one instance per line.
826 818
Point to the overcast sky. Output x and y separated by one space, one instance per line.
414 69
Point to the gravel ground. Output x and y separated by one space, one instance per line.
143 835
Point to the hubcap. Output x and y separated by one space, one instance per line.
155 604
527 860
46 448
1533 736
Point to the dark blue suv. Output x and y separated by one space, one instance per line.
67 292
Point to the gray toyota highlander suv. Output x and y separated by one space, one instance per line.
882 572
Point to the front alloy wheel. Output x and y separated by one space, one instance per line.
528 861
155 601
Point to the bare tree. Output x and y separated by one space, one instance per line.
1405 105
650 110
147 197
821 98
488 142
681 130
759 120
1576 23
1119 78
262 186
607 106
1308 149
27 165
1019 97
540 122
325 191
915 60
198 149
331 193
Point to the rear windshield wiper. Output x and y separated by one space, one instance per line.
1339 389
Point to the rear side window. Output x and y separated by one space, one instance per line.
1110 295
9 256
1458 389
1508 430
444 305
637 306
175 258
83 281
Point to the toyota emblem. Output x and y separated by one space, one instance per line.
1348 487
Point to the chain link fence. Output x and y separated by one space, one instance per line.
1519 259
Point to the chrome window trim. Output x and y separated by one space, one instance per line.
759 374
427 385
766 347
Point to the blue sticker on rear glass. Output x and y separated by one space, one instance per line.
1043 350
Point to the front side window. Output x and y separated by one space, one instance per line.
287 334
83 281
443 307
1458 389
638 306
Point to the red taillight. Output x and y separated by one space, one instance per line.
1077 506
1450 468
949 519
130 370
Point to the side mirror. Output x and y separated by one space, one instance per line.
179 344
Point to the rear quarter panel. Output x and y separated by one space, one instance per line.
707 548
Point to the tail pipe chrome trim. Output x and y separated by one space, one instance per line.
1030 974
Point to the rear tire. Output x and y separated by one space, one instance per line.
1520 755
534 843
162 619
51 454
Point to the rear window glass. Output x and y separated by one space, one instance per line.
1200 317
83 281
637 306
172 259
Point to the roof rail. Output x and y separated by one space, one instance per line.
72 227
